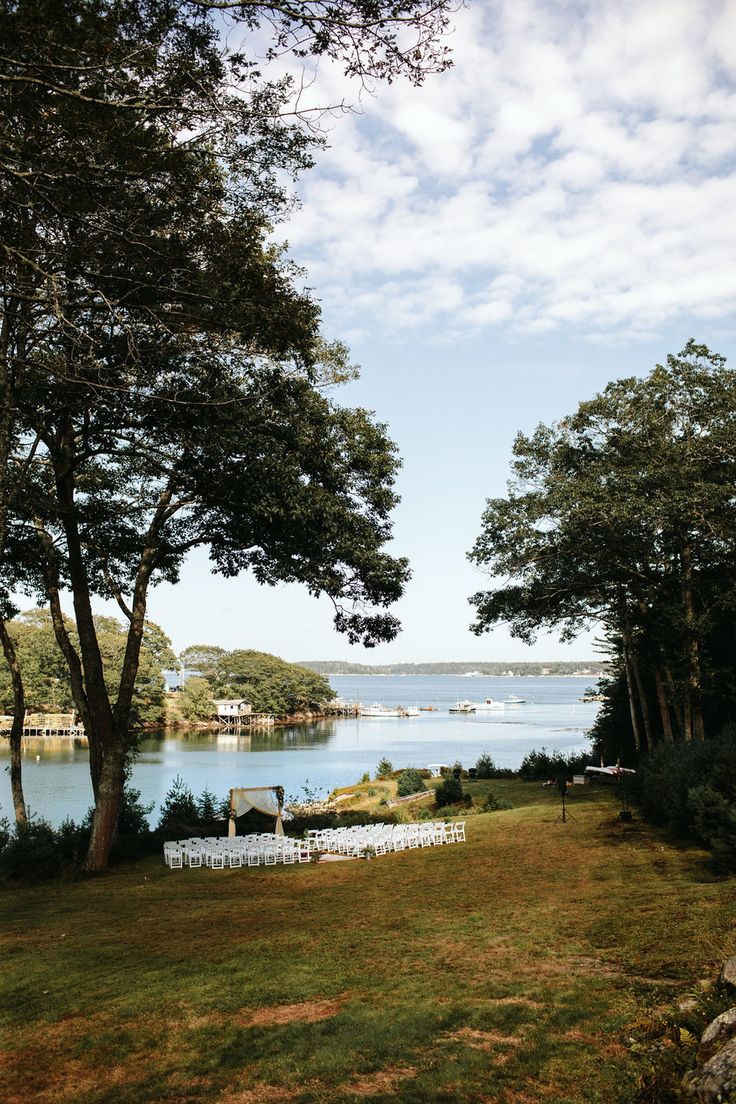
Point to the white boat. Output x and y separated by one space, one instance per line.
463 707
378 710
489 703
513 699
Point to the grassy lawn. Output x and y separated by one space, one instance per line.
512 968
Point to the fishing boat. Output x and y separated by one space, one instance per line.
513 699
463 707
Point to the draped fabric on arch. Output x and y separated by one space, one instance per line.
266 799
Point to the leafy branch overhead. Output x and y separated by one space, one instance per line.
164 382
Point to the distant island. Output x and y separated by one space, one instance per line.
593 668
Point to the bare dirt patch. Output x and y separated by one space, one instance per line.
380 1082
481 1040
259 1094
72 1078
602 1043
306 1012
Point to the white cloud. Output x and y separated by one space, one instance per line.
576 168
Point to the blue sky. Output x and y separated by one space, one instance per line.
554 212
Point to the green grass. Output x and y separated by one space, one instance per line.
514 968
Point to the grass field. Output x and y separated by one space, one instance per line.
514 968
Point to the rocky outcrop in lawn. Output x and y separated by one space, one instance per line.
713 1081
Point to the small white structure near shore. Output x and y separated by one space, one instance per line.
232 710
237 712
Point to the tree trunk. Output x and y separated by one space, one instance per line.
636 670
76 679
109 728
102 729
664 710
632 700
16 730
694 706
107 808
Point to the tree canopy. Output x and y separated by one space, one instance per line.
624 514
270 684
164 382
46 675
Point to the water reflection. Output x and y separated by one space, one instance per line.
322 755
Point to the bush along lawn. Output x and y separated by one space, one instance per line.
532 963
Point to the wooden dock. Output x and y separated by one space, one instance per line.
46 726
247 720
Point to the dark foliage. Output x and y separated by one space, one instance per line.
542 766
611 735
493 803
690 790
449 792
385 768
39 853
410 782
485 766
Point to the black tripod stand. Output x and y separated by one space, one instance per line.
563 816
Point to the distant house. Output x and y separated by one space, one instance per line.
232 709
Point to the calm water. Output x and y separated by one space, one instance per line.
329 753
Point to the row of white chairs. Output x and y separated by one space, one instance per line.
265 849
379 839
219 852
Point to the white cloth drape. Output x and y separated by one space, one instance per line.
263 798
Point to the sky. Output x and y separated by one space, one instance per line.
555 211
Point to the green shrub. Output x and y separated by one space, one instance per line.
485 766
133 815
449 791
38 853
714 824
384 769
540 765
690 789
410 782
493 803
179 809
208 808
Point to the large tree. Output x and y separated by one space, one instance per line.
624 514
162 373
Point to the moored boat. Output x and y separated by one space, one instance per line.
489 703
463 707
378 710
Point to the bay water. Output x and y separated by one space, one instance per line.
312 759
